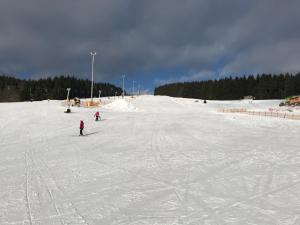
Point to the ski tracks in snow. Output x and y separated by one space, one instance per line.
163 148
69 206
38 175
27 177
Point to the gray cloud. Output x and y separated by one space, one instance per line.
136 36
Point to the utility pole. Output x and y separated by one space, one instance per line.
93 56
30 94
123 93
139 86
133 87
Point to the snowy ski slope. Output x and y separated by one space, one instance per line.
151 160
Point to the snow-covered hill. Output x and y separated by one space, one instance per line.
150 160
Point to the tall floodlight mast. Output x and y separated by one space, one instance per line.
133 87
93 57
123 93
99 95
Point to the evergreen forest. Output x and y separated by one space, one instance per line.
264 86
13 89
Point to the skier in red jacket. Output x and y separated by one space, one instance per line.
81 127
97 115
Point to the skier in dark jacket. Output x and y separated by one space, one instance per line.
81 127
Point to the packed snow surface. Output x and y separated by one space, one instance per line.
176 161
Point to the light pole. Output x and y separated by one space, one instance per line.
99 95
30 94
133 87
93 56
123 93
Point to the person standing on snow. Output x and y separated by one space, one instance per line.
97 115
81 127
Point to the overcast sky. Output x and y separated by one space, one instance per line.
152 42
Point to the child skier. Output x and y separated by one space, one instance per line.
97 115
81 127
